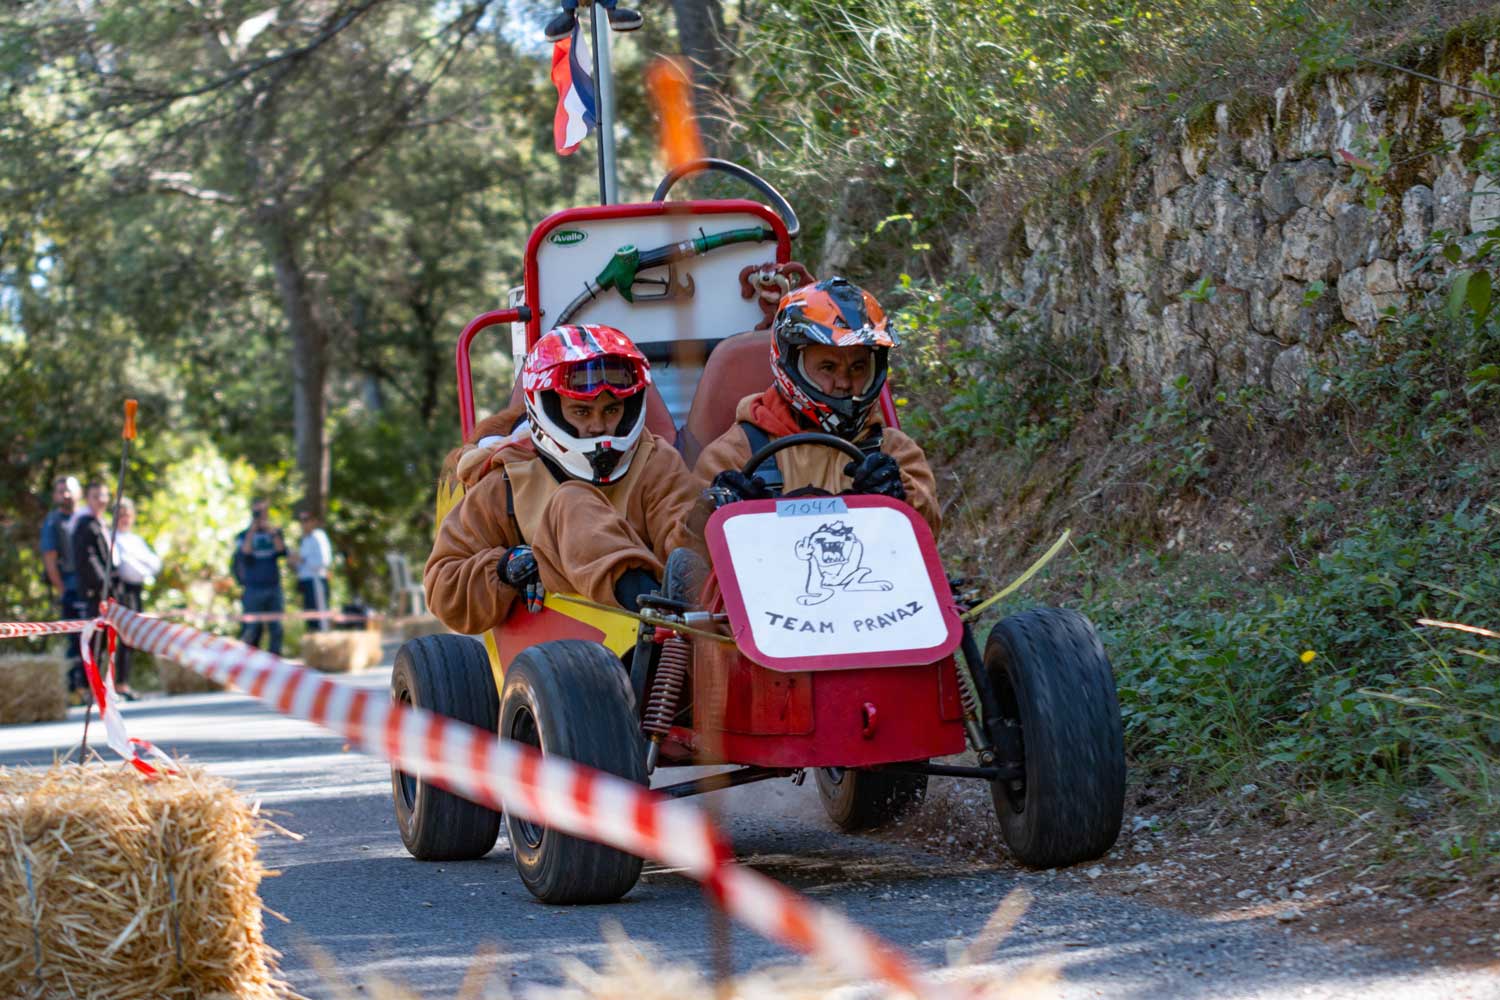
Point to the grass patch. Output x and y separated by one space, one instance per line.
1256 565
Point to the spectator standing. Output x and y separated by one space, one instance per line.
91 552
258 551
58 563
311 561
136 566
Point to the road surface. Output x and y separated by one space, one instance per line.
350 891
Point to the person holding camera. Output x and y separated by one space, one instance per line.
258 551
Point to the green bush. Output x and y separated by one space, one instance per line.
968 375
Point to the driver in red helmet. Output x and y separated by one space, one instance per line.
581 498
829 348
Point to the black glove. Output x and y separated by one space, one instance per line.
518 569
732 485
634 584
876 473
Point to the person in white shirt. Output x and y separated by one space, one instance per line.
311 561
135 566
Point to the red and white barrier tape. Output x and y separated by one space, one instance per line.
103 687
18 630
503 774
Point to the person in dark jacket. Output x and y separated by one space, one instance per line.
258 551
92 558
56 545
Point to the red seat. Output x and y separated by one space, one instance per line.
739 366
658 420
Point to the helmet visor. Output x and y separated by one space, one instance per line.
587 379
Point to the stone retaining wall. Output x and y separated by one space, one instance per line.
1259 197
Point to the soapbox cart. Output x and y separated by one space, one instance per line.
826 638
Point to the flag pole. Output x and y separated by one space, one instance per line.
604 97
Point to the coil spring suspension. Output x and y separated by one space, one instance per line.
671 673
967 696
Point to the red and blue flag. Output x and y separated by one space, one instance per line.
576 111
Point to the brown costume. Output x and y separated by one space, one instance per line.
815 465
584 537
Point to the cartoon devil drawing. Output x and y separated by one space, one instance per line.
833 555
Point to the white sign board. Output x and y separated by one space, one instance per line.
833 581
573 251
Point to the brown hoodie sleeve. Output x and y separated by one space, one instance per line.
916 476
462 577
670 496
583 544
730 450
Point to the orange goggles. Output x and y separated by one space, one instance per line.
587 379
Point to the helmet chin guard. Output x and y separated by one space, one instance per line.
583 362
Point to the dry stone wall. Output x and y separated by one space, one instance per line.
1258 196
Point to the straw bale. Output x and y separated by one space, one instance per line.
33 688
341 652
413 628
177 679
115 887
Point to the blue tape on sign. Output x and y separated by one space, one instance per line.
804 506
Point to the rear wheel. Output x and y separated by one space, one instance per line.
449 675
1050 674
864 800
572 699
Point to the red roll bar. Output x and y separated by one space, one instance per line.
461 360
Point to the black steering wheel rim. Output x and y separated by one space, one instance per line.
803 437
778 202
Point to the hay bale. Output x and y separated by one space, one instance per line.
33 688
129 889
341 652
412 628
177 679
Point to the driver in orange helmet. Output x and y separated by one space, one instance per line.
829 353
582 498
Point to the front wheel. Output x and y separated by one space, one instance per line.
448 675
865 800
1050 675
572 699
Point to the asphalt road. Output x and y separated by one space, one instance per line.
350 891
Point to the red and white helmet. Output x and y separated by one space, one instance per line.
839 314
580 362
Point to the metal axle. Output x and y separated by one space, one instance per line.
724 779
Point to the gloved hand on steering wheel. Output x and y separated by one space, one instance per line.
732 486
518 569
876 473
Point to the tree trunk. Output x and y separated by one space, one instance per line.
309 363
700 32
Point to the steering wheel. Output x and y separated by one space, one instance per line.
782 206
793 440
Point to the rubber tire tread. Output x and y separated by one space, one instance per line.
580 698
449 675
868 800
1074 742
684 576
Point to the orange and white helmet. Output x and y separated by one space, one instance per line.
839 314
580 362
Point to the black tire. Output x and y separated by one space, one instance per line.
449 675
865 800
572 699
684 576
1050 673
